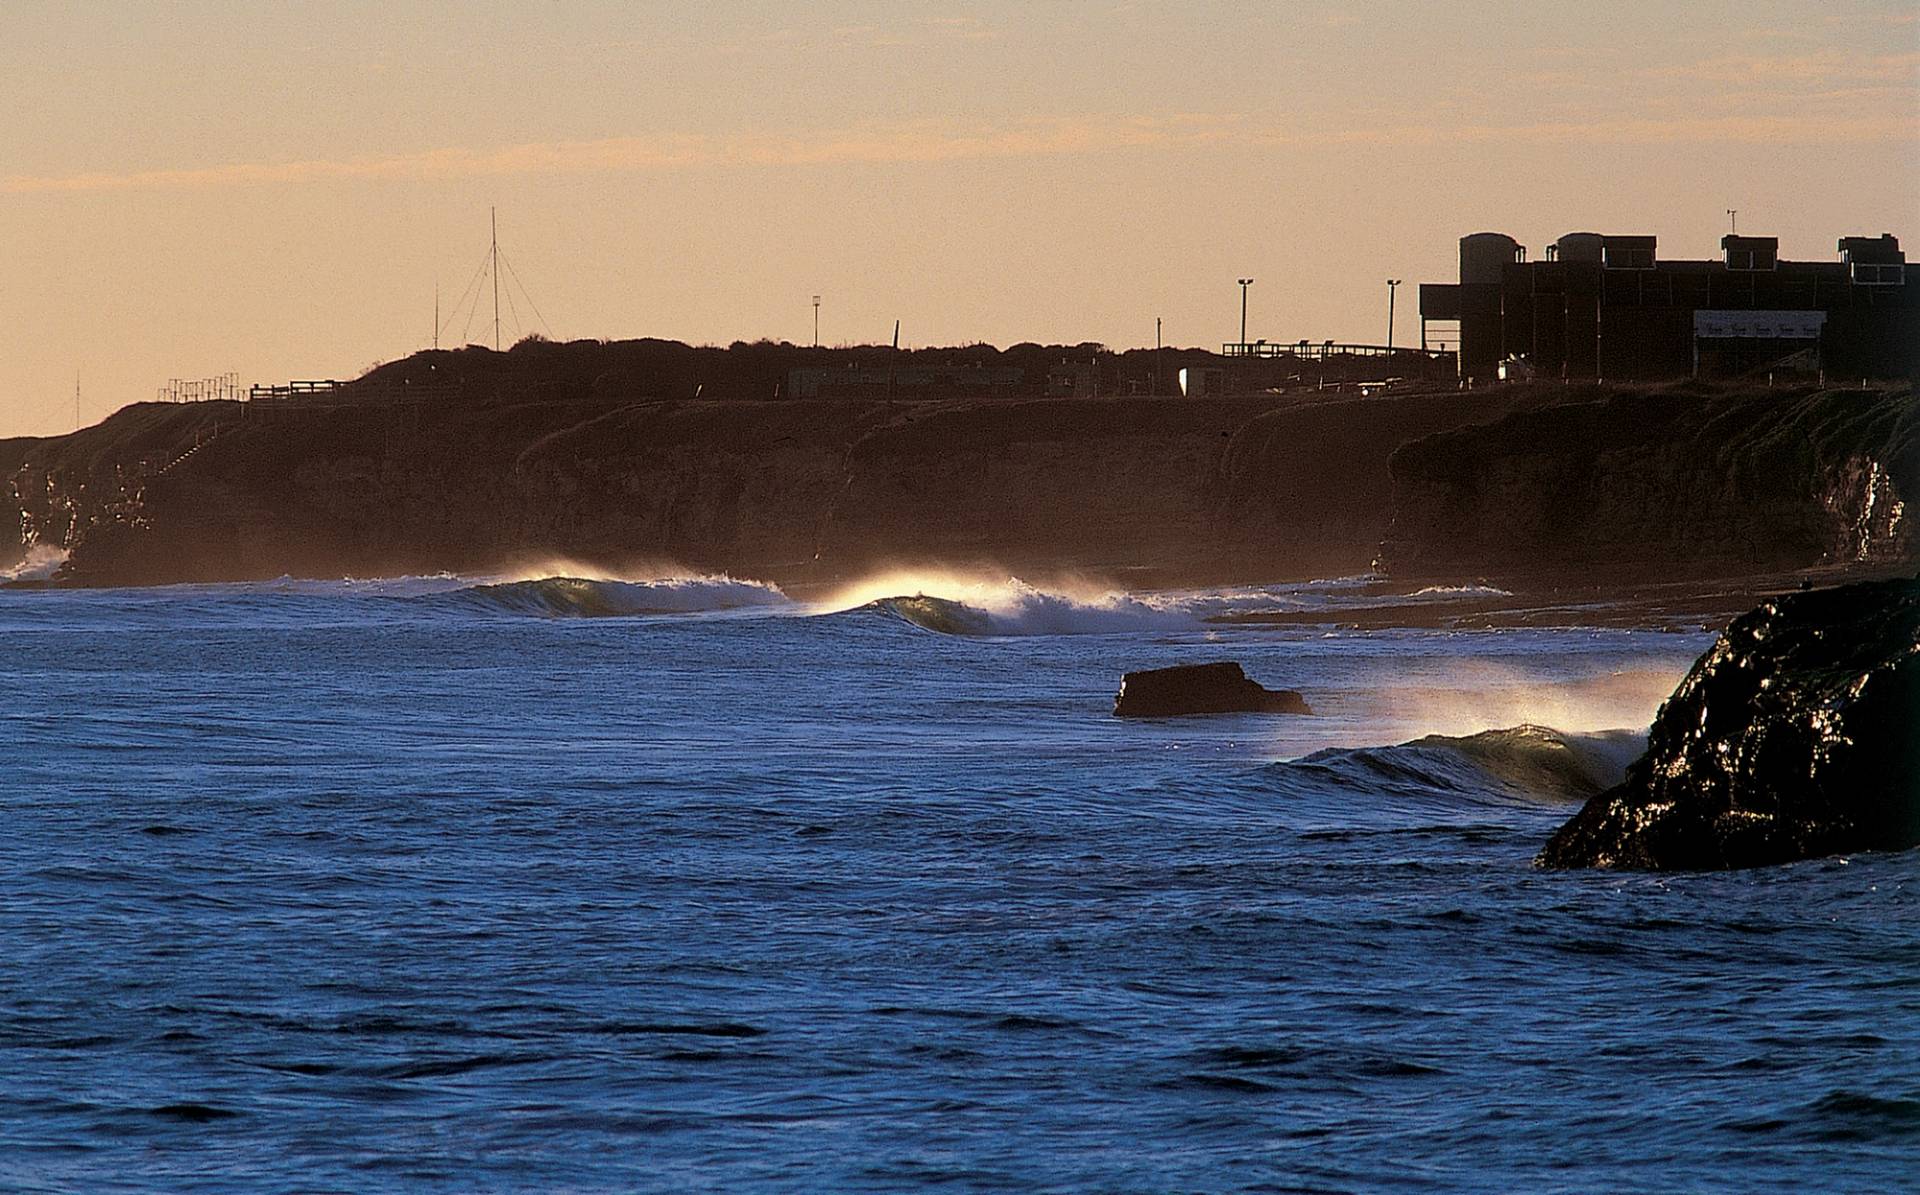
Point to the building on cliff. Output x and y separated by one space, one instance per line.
1608 308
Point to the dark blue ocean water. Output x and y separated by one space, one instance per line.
395 887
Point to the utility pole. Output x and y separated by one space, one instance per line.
1244 284
76 400
436 315
1392 284
816 321
1156 356
893 363
493 214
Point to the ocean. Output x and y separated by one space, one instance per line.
496 884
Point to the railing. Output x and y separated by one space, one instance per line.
292 390
334 393
1321 350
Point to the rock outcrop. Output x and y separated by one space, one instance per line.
1659 484
1220 688
1797 735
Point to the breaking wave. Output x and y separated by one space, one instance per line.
1528 761
583 597
1446 592
984 604
972 606
41 562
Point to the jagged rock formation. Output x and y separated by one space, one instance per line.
1793 737
1220 688
1664 483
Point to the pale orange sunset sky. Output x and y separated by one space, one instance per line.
275 189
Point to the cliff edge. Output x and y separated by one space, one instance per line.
1143 491
1664 483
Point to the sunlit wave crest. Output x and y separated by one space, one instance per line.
593 597
983 604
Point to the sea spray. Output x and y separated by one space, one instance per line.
1470 697
42 561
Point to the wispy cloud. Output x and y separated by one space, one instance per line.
1824 67
905 143
930 142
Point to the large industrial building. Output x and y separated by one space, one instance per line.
1606 307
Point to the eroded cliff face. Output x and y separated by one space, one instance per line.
1663 485
1147 491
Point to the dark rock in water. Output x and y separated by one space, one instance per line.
1220 688
1793 737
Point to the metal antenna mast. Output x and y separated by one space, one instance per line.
76 400
493 215
1733 220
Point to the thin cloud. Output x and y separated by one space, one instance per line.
1751 130
1824 67
870 145
935 143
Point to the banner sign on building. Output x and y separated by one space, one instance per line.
1758 325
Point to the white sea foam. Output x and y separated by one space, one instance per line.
1460 591
41 563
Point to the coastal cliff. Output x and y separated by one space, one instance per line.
1149 491
410 473
605 456
1662 484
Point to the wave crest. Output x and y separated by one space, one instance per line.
1014 607
1524 761
584 597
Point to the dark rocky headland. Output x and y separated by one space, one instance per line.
1796 736
597 453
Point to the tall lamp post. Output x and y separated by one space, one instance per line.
816 321
1244 284
1392 284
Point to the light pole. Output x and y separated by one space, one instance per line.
1392 284
1156 356
1244 284
816 321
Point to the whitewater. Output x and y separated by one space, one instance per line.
560 880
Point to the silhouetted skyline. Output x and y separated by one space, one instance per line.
225 187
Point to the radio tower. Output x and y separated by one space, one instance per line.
493 216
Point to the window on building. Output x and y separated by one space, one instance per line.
1750 259
1879 274
1627 257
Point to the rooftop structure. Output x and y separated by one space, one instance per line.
1607 307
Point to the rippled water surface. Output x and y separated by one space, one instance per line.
416 886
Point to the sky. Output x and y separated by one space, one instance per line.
199 187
